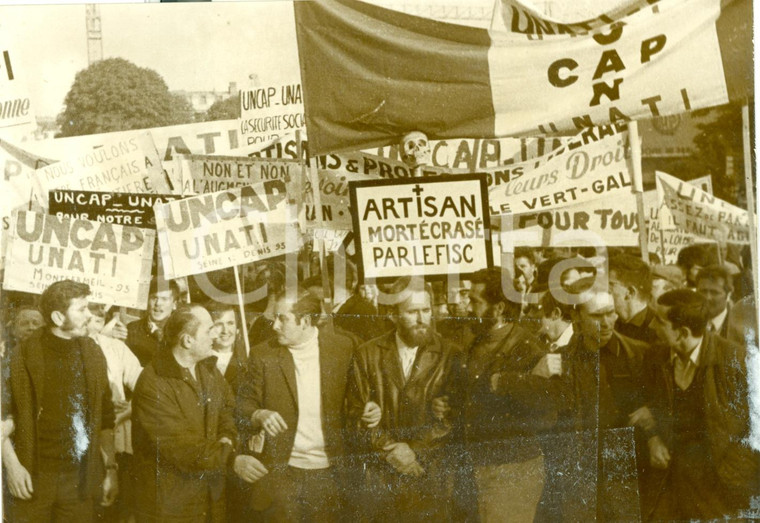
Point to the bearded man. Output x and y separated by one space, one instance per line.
403 371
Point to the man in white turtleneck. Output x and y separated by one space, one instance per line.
292 397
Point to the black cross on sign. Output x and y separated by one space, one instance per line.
417 190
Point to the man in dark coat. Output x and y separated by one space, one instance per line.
183 429
291 410
698 395
61 405
603 372
403 371
511 389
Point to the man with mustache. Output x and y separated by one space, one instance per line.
403 371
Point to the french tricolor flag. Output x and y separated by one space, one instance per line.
371 74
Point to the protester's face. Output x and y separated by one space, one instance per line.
715 296
202 342
226 325
290 330
413 319
552 326
460 299
692 274
659 287
597 319
619 295
27 321
525 267
664 328
160 305
95 325
76 318
480 308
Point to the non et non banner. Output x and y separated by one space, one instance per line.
211 173
114 260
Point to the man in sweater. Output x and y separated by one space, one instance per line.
698 395
291 412
61 404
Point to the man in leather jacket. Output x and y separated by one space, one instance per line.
403 371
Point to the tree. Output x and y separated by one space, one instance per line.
116 95
226 109
719 139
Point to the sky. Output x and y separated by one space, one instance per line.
193 46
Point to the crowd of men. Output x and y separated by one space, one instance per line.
608 389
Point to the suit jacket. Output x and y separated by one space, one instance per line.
236 366
725 406
27 377
269 382
177 423
377 376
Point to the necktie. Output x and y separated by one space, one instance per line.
683 373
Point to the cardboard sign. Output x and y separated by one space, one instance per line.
114 260
223 229
203 174
421 227
701 214
135 210
131 165
16 111
595 164
271 111
602 222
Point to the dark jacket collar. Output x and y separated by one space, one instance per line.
166 365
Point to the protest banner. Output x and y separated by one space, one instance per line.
134 209
470 154
114 260
130 165
664 243
218 137
15 185
210 173
16 111
421 227
696 212
271 111
595 164
224 229
528 74
613 223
